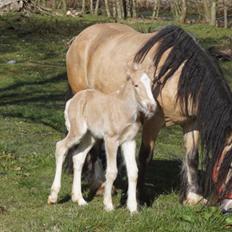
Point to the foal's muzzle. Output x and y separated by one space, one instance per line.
150 109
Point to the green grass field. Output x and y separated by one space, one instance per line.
32 94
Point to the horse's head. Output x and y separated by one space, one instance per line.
143 89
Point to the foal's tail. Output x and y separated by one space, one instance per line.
68 163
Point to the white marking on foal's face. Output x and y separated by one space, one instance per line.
148 103
147 84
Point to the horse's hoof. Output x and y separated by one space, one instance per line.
52 200
194 199
227 212
226 206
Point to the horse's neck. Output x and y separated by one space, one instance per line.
127 95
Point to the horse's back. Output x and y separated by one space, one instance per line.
89 56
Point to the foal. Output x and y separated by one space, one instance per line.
92 115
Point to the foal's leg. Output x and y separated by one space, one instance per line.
129 150
190 190
74 136
111 146
60 154
78 162
150 132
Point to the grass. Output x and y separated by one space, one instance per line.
32 93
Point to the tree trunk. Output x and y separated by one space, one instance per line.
213 13
114 10
107 8
83 6
134 6
91 6
128 8
119 9
225 14
122 9
207 10
156 9
183 11
96 7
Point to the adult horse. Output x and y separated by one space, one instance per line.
188 85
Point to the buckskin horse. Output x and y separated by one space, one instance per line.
190 90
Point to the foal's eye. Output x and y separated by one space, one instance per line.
136 85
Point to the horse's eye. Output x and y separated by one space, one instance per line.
136 85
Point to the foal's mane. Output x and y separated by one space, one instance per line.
201 81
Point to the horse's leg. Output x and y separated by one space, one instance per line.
62 148
129 151
111 146
150 132
78 162
190 190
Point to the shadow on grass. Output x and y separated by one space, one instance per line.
162 178
36 101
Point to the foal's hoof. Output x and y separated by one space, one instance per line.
226 206
80 202
194 199
109 208
132 208
133 211
52 200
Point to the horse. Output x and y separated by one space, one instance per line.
190 90
91 115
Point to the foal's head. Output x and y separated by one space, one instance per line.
143 89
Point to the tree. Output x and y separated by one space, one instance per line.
207 14
225 9
83 6
91 6
96 7
119 9
156 9
210 8
213 12
179 9
183 11
107 8
128 8
134 8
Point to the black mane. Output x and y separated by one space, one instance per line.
201 81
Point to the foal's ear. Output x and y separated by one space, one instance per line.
132 66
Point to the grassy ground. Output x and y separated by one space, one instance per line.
31 121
